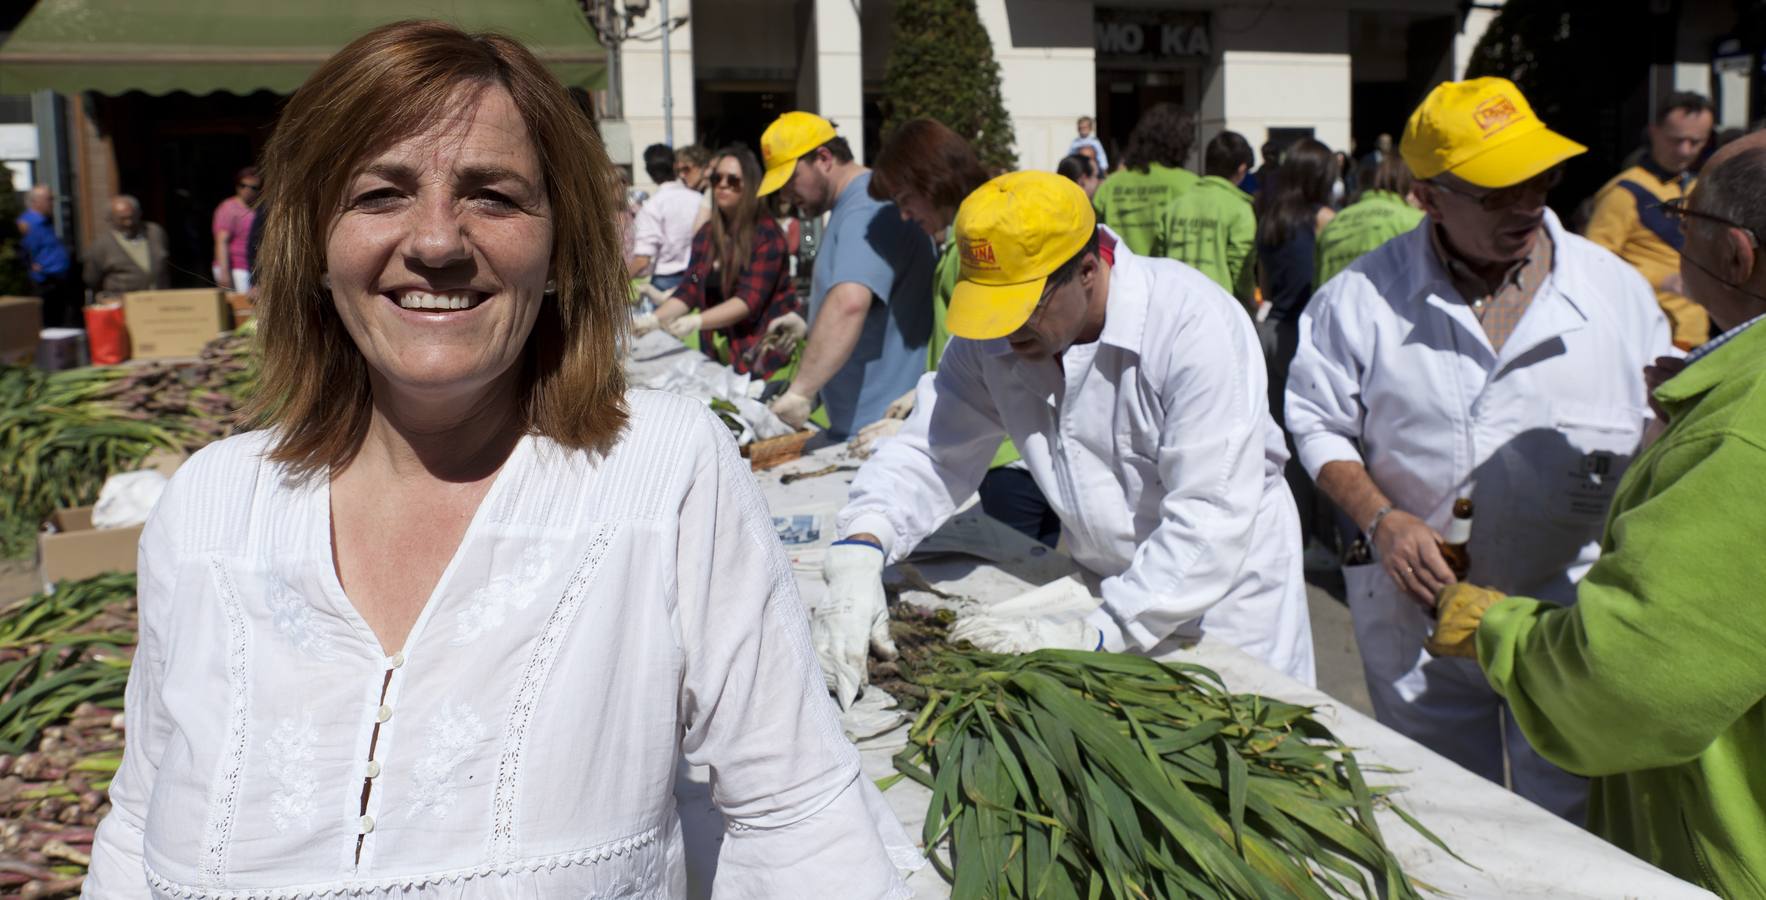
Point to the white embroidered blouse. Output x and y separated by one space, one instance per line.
602 619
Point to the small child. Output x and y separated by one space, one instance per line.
1086 139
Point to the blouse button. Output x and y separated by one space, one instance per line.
384 713
367 824
373 768
396 660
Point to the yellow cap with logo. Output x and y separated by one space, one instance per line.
1483 132
1011 234
788 138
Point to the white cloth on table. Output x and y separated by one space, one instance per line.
1395 372
602 619
1155 446
663 229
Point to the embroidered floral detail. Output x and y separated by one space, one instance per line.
289 754
223 803
490 604
293 618
453 733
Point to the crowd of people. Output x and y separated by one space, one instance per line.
1532 452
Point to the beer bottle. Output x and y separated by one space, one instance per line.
1455 549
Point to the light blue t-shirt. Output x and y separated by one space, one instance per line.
869 243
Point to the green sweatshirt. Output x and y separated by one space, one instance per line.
944 283
1364 225
1130 202
1211 227
1654 683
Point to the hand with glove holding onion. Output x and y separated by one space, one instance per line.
1460 609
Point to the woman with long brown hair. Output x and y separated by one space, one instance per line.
739 278
449 621
927 170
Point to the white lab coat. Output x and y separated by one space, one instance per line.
1394 371
1155 446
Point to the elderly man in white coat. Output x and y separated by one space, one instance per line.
1488 354
1133 388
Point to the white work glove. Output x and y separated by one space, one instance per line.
784 331
852 618
1049 617
644 324
684 325
901 407
873 435
793 408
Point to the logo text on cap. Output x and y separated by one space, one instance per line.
1495 114
977 254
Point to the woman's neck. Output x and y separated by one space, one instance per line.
456 442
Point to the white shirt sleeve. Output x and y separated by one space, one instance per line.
117 869
1324 382
756 709
912 485
647 231
1211 464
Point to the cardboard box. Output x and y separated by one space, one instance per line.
70 548
173 324
21 320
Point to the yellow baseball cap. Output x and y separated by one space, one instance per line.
1011 234
1484 132
789 137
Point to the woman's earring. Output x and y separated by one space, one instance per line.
551 287
325 280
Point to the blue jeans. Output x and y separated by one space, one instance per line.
667 283
1011 496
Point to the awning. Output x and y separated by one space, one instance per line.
202 46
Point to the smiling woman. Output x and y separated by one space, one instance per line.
446 624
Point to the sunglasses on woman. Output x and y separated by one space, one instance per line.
720 179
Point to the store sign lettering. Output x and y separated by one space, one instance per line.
1131 39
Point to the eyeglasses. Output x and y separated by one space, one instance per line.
720 179
1677 210
1505 197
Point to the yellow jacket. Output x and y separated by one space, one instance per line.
1626 223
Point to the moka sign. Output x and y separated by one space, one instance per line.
1138 35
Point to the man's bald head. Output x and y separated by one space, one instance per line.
1721 262
40 199
125 214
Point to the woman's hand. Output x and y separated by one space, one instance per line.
684 325
1411 552
644 324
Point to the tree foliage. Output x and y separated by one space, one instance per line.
941 66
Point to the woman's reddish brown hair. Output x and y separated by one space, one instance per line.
924 156
395 81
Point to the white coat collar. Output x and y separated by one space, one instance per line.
1554 311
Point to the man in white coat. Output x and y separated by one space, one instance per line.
1487 354
1134 390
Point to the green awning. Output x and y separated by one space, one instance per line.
202 46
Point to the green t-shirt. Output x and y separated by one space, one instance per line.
1376 218
1130 202
944 283
1211 228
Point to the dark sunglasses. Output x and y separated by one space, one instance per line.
1503 198
1677 210
719 179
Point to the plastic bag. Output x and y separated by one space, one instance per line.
127 498
107 335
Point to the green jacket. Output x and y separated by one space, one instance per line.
1211 227
1130 202
1364 225
944 283
1654 683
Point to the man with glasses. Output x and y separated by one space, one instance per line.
232 228
1654 681
870 296
1487 354
1134 388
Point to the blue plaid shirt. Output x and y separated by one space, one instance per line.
1705 349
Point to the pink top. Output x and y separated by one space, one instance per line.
234 217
